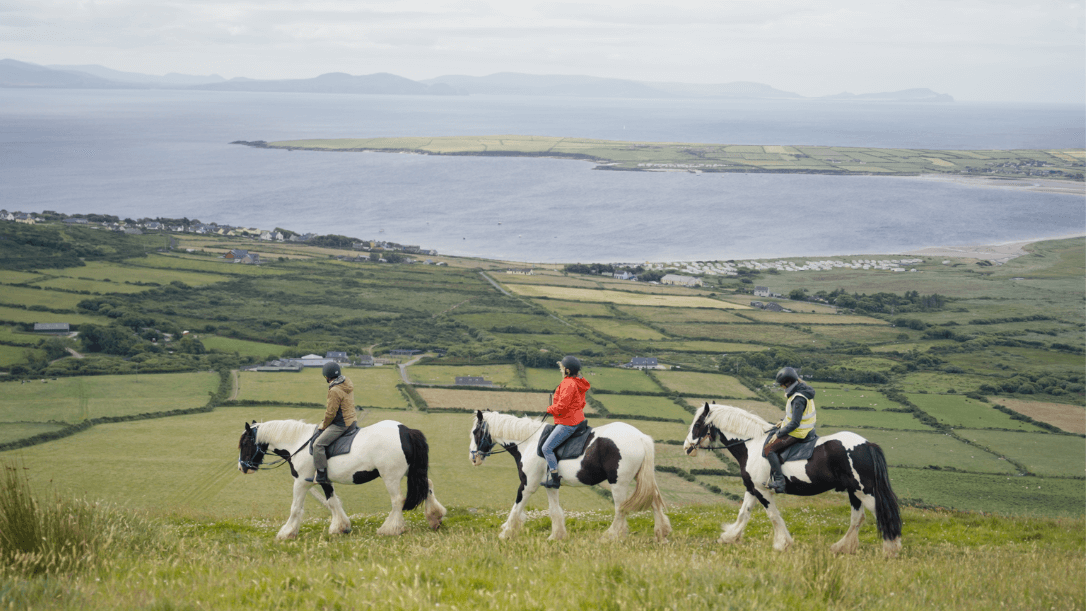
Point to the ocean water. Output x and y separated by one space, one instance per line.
166 153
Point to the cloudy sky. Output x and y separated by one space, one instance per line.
975 50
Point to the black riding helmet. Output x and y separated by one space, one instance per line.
787 376
571 364
330 370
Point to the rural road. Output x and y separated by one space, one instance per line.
496 285
404 366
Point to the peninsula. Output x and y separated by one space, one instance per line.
1066 164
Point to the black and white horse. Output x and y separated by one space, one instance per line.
388 450
842 461
616 453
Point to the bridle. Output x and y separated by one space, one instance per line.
710 434
255 461
485 445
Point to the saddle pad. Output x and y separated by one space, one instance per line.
798 451
342 445
572 447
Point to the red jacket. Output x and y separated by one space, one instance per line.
567 406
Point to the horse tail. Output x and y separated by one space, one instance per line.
646 493
417 453
887 514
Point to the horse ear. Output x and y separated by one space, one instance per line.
706 409
246 426
479 415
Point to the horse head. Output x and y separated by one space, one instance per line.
701 432
250 453
481 441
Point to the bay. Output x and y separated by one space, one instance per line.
166 153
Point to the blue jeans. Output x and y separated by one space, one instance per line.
560 433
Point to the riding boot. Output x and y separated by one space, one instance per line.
776 476
553 480
320 478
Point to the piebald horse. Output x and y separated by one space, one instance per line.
842 461
388 450
617 453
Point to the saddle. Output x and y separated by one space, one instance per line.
803 450
339 446
572 447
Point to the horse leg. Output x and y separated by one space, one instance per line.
619 527
341 524
890 547
851 541
734 532
435 511
517 515
297 509
781 537
661 525
394 522
558 517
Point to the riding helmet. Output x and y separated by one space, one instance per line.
330 370
787 376
572 365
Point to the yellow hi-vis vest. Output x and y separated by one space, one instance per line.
807 421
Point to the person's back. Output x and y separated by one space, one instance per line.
567 407
797 424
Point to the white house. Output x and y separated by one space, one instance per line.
681 280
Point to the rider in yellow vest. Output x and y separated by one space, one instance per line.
798 422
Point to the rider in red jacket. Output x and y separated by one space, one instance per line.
567 407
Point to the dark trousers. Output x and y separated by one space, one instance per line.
320 446
778 444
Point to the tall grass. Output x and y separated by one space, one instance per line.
51 535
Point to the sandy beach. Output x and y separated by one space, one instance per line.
1041 185
996 253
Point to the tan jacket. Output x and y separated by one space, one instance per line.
340 399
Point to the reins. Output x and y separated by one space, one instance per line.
249 464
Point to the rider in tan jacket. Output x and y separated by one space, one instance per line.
339 415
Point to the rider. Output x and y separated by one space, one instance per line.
798 422
339 415
567 408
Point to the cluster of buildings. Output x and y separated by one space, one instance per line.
198 228
732 268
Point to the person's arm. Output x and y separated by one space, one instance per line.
563 400
798 405
331 407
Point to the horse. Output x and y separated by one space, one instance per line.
842 461
615 452
387 449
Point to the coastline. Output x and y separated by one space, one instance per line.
996 253
1038 185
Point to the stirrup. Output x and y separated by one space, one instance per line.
320 477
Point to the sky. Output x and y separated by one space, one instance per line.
976 50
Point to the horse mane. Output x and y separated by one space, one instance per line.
737 420
510 427
282 431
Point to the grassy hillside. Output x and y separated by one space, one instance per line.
972 393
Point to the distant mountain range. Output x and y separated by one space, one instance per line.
16 74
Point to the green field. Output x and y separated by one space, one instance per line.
243 347
601 378
1042 453
650 156
920 449
692 382
848 419
445 375
845 395
375 386
73 400
962 412
11 355
30 316
623 329
657 407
